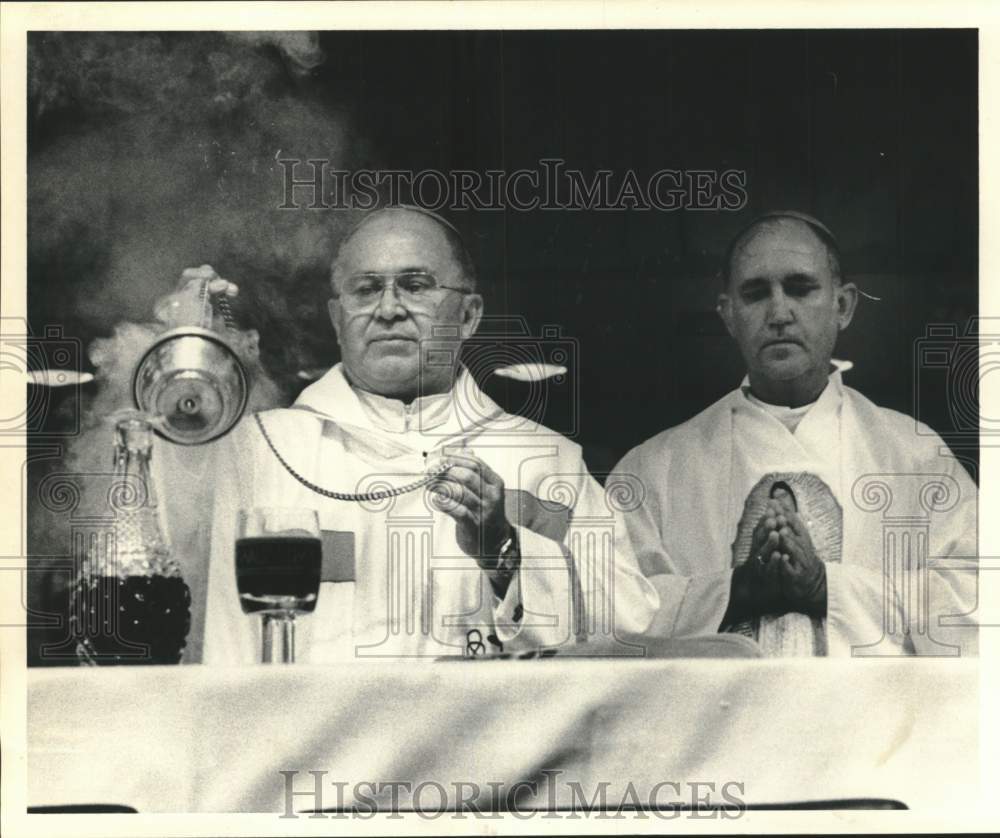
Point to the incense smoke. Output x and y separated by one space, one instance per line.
150 153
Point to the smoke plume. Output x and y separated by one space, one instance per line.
149 153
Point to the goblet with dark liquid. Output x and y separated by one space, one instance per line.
278 559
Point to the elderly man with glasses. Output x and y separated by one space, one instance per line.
475 561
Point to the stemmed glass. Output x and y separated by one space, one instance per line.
278 559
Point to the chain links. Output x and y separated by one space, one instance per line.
382 494
227 313
358 497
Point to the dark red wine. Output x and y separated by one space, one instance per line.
278 572
131 620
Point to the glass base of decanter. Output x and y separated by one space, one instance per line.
130 620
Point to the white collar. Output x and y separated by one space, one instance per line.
333 397
424 412
778 410
830 393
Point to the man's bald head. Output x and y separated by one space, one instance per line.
772 221
416 220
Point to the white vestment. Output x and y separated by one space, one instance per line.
906 572
416 593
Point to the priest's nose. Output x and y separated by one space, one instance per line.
389 306
780 310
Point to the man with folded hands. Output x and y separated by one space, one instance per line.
794 510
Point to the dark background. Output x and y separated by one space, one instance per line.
152 152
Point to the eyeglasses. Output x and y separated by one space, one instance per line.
416 290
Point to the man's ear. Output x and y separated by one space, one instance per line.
847 301
472 314
724 306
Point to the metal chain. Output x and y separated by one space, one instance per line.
203 301
222 301
382 494
227 312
